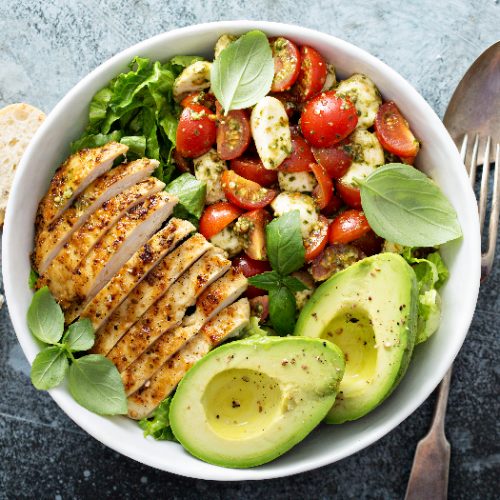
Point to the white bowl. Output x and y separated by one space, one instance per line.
438 158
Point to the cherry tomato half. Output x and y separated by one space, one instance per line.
251 168
289 101
250 267
348 226
216 217
245 193
196 131
286 63
300 158
327 119
252 229
259 307
312 74
204 98
233 133
350 194
323 192
336 159
317 240
393 131
333 205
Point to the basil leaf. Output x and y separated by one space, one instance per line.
49 368
45 317
80 336
282 309
294 284
158 425
94 383
284 243
191 193
403 205
266 281
243 72
33 278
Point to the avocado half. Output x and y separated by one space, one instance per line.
250 401
369 310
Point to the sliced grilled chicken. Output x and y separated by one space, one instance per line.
170 309
144 295
49 240
227 323
221 293
73 176
132 273
81 243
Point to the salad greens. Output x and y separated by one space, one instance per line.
243 72
285 250
94 381
158 425
403 205
191 193
137 109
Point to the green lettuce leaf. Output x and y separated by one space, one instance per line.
158 425
191 193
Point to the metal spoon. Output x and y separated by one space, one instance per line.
474 110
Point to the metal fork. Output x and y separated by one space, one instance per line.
429 473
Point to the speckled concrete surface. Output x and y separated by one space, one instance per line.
45 48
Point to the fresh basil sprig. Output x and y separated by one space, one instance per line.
243 72
94 381
403 205
286 254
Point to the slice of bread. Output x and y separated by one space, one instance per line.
18 124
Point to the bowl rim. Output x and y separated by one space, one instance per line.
62 396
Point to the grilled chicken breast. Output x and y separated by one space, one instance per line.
72 177
62 268
170 309
50 240
218 295
227 323
144 295
132 273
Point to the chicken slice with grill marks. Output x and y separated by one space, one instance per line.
144 295
115 248
49 240
219 295
170 309
132 273
227 323
73 176
61 269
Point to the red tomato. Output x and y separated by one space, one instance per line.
336 159
348 226
252 229
202 97
369 243
252 169
300 158
317 240
196 131
216 217
245 193
288 100
327 119
312 74
259 306
409 160
286 63
323 192
350 194
250 267
393 131
233 133
333 206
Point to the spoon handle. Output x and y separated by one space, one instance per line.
429 472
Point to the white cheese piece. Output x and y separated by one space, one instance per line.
302 182
365 97
194 78
222 43
308 210
209 168
271 132
331 79
228 241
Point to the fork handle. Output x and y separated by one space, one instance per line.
430 469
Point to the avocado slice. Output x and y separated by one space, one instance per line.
370 311
250 401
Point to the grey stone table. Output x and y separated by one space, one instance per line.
46 47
